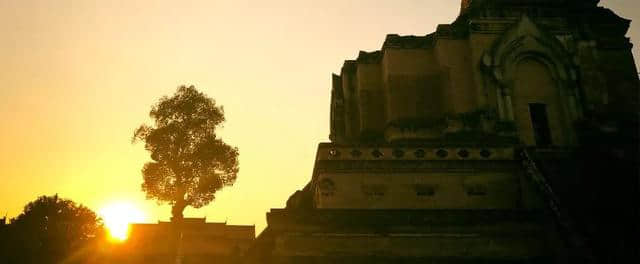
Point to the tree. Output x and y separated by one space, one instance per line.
53 230
4 240
189 163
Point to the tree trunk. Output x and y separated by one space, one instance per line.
177 209
176 234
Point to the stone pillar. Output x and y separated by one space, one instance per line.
500 104
576 103
572 107
508 104
567 100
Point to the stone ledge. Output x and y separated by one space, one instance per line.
397 217
449 153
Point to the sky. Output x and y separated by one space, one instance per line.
77 77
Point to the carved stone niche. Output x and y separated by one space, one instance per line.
476 189
524 43
326 187
424 190
374 191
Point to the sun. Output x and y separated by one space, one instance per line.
117 216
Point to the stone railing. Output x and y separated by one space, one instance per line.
581 251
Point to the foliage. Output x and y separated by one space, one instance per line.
4 240
189 163
50 230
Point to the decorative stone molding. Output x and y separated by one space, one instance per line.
525 40
326 187
491 26
374 190
369 57
425 190
476 189
408 42
414 153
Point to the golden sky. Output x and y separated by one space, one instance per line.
77 77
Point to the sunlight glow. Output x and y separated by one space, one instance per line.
118 216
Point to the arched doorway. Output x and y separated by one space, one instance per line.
537 104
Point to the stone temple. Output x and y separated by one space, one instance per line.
507 136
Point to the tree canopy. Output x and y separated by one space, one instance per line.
189 162
50 230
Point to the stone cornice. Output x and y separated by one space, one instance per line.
349 66
369 57
395 41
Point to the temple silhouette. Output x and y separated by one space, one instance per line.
507 136
201 242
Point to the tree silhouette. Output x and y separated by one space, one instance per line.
4 240
52 230
189 163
